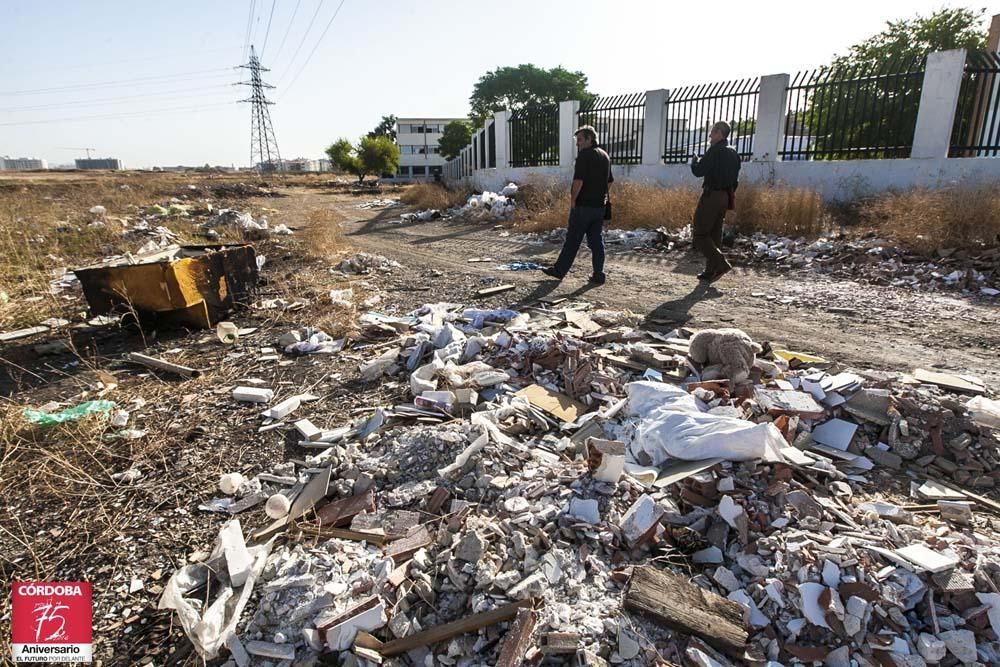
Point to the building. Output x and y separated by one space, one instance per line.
419 155
22 164
100 163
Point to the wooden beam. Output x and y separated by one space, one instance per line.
340 512
468 624
490 291
680 605
517 639
403 549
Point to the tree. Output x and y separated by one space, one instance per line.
387 128
457 135
874 90
372 155
517 87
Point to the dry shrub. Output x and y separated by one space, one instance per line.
323 237
924 220
433 195
781 210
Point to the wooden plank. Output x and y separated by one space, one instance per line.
680 605
340 512
8 336
558 405
403 549
468 624
345 534
490 291
517 639
981 500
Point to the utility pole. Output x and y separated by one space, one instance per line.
263 146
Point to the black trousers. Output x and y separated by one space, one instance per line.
709 217
584 221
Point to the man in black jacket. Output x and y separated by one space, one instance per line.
720 167
588 197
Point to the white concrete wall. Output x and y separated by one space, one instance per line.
835 180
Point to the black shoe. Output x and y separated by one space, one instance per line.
552 273
597 279
718 274
704 275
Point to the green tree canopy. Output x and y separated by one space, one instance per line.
517 87
372 155
386 128
457 135
862 106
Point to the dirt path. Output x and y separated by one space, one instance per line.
889 328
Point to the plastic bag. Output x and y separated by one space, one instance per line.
671 425
984 411
69 414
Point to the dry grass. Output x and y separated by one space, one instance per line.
778 210
924 220
433 195
46 226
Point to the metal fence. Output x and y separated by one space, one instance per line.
853 112
692 111
619 122
491 141
533 136
976 132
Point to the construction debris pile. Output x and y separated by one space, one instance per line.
485 207
870 260
560 485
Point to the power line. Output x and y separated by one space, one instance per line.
318 42
136 114
301 42
288 30
103 100
121 82
267 32
126 61
246 39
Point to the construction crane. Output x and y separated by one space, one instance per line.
73 148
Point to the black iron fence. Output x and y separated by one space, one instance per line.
619 122
976 132
853 112
481 164
491 141
692 111
533 136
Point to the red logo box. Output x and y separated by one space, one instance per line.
51 621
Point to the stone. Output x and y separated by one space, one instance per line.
640 519
628 648
516 505
230 483
238 560
271 650
587 511
505 580
470 547
730 511
931 648
961 644
725 578
529 587
709 556
839 657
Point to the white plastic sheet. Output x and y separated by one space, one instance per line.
671 425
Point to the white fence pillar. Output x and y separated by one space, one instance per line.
769 129
654 127
567 125
938 100
500 130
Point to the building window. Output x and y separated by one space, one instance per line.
404 171
419 171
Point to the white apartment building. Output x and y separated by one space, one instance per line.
419 155
22 164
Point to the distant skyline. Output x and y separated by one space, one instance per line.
153 84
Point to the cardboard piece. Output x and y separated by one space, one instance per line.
558 405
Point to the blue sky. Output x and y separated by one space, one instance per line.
151 82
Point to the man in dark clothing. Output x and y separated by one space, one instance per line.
720 167
589 195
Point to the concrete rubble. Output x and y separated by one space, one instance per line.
528 502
